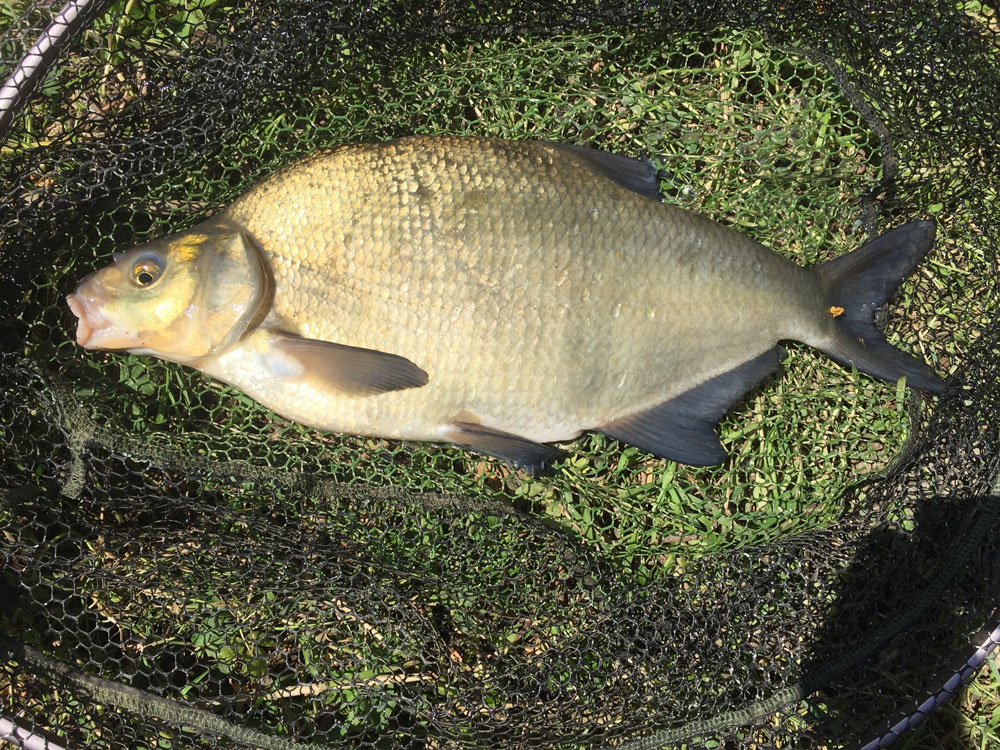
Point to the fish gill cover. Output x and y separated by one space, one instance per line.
181 568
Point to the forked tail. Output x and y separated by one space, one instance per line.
860 282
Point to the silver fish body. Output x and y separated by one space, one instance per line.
519 294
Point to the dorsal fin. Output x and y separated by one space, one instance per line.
633 174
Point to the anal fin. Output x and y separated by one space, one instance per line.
516 450
683 428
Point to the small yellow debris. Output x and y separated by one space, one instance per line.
836 311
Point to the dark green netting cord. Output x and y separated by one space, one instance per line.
144 703
181 568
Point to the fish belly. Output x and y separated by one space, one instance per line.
541 298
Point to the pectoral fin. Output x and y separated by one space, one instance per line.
683 428
350 369
516 450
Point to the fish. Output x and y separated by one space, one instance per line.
499 295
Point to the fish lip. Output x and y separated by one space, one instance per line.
78 306
91 322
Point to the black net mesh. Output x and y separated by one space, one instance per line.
181 568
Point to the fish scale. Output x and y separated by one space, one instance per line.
497 270
518 293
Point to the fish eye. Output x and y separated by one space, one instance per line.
146 270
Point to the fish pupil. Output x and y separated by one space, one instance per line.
145 272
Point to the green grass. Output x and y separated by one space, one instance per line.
971 721
749 136
752 136
171 27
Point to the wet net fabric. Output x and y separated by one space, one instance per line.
181 568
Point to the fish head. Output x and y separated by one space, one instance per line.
183 298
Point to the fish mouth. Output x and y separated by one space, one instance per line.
93 329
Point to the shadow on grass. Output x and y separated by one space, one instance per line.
908 605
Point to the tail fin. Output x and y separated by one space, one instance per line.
859 283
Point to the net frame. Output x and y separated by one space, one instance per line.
981 524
